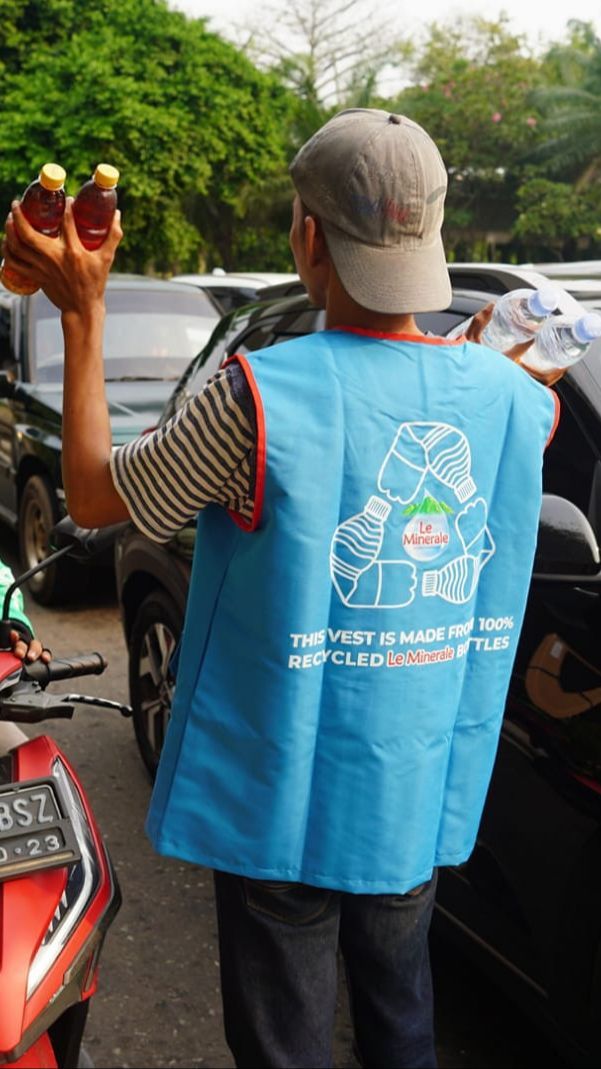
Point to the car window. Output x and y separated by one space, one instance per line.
258 337
206 363
230 298
149 334
289 325
296 324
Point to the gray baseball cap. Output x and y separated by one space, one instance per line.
377 182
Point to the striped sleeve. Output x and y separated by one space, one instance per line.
205 453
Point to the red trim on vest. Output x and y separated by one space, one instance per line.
423 339
261 448
557 404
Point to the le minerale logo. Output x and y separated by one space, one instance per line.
426 535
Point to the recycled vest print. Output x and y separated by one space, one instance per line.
344 665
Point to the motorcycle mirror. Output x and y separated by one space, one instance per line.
83 542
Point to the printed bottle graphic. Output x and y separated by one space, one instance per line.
421 450
457 580
386 584
449 459
472 530
405 465
356 545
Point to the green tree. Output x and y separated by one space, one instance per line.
571 107
471 90
192 125
556 219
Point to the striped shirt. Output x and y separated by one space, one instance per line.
204 453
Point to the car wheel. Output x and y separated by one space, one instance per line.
155 634
38 513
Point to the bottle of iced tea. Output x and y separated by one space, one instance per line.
94 206
43 205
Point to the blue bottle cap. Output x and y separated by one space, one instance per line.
543 301
587 328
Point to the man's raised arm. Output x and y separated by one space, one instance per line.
74 279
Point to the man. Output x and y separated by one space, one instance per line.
369 500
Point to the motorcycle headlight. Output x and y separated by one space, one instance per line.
82 883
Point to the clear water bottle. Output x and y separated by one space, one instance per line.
517 316
562 341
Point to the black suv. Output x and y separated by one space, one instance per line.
527 903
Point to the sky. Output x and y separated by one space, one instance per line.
540 20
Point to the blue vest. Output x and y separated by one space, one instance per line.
345 662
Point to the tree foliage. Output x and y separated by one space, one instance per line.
571 107
559 217
203 130
471 91
192 125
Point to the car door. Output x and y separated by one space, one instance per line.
529 893
8 379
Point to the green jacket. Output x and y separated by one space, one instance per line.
17 608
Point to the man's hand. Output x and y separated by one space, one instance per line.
474 333
71 276
28 651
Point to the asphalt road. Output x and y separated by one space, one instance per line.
158 1001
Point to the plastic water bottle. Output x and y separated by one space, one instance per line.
562 341
517 316
43 205
95 205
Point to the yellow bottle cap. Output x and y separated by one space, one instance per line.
52 176
106 176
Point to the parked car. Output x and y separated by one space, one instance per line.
568 269
526 904
586 290
581 278
235 289
153 329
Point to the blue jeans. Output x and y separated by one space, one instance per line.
278 948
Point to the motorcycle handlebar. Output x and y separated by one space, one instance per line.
85 664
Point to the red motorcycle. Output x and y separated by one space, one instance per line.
58 891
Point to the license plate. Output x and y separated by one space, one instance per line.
35 831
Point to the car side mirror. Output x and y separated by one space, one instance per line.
567 547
